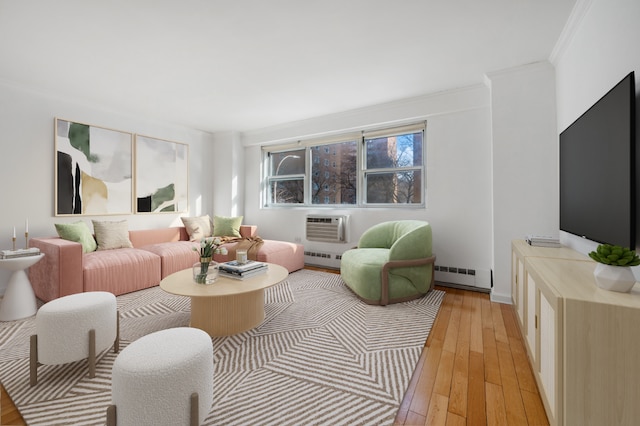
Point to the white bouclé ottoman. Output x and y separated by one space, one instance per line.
73 328
163 378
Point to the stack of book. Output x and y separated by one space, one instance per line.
12 254
541 241
240 271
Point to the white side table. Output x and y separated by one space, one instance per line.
19 301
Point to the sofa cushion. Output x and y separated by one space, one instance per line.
174 256
112 235
146 237
78 232
197 227
120 271
227 226
288 255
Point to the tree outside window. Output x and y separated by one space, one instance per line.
391 171
394 169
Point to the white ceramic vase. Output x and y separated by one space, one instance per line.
614 278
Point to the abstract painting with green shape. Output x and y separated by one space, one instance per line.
161 175
94 170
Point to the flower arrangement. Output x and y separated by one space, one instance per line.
608 254
209 246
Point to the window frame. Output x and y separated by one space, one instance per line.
268 178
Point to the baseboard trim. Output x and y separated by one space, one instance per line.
463 287
501 298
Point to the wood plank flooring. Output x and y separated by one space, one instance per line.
473 371
9 414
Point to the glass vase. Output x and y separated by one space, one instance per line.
205 271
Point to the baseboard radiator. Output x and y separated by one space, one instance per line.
328 229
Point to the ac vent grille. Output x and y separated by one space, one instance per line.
329 229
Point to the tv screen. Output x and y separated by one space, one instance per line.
597 170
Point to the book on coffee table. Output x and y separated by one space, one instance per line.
234 266
241 275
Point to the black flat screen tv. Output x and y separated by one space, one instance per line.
598 170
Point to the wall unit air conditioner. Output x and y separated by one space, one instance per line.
328 229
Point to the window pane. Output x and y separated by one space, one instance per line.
334 173
287 163
288 191
394 151
394 188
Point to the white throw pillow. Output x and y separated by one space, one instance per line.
197 227
112 235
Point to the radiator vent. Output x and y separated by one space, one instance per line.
329 229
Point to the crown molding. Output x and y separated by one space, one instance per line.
578 13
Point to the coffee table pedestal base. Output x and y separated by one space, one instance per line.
228 315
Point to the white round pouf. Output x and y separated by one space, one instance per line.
153 378
63 325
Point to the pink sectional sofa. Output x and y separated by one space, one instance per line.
156 253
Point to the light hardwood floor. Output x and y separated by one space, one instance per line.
473 370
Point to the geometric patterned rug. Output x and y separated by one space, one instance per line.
321 357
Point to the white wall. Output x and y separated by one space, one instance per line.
595 53
525 162
27 162
458 176
227 165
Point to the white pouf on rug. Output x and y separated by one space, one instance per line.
154 378
64 325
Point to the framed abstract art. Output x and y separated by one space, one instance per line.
93 170
162 175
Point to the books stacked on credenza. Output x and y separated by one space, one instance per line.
240 271
12 254
542 241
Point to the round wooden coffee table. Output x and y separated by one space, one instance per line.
227 306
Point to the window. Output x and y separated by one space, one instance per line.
379 168
393 167
287 179
339 179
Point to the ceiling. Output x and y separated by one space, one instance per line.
243 65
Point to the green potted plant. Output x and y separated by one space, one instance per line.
613 271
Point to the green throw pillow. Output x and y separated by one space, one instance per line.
227 226
78 232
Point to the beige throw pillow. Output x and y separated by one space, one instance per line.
197 227
112 235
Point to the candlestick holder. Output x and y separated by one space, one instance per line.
14 243
26 240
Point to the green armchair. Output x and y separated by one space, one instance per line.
392 263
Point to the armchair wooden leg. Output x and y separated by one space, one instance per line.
92 353
33 360
384 285
116 344
195 412
112 419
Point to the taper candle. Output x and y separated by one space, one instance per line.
14 232
26 225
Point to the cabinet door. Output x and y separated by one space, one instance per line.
550 351
521 299
531 320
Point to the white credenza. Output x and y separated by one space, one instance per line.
583 342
